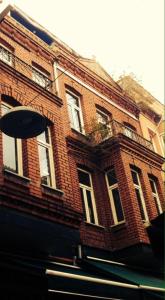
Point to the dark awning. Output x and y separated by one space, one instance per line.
73 280
123 273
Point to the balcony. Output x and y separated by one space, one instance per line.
29 71
105 132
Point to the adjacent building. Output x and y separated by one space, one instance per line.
76 201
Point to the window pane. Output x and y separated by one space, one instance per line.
128 132
77 121
103 119
90 206
39 78
71 118
152 186
111 177
5 55
84 178
118 206
82 198
44 165
10 153
135 177
72 100
44 136
138 196
156 203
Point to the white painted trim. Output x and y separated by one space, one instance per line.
152 288
90 279
82 295
89 188
112 202
56 78
106 261
74 108
139 187
48 146
156 195
64 265
95 92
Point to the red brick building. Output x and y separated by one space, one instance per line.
84 191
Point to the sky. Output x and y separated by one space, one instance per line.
125 36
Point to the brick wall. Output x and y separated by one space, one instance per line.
67 157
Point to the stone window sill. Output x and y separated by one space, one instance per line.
119 226
51 191
94 225
16 177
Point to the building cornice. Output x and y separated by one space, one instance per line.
26 39
134 149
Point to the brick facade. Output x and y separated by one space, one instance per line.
72 149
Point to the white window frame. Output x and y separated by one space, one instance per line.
42 76
74 108
90 189
18 147
139 187
9 53
156 195
49 147
112 202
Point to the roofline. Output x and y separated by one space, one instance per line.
5 12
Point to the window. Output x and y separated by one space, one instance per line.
75 113
114 196
87 195
12 149
104 120
40 78
5 55
139 195
47 171
129 131
155 194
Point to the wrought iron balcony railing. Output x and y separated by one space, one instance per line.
27 70
118 128
115 129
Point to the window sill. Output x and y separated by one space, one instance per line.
94 225
51 191
146 224
16 177
119 226
78 132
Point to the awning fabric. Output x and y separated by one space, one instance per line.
77 281
125 273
